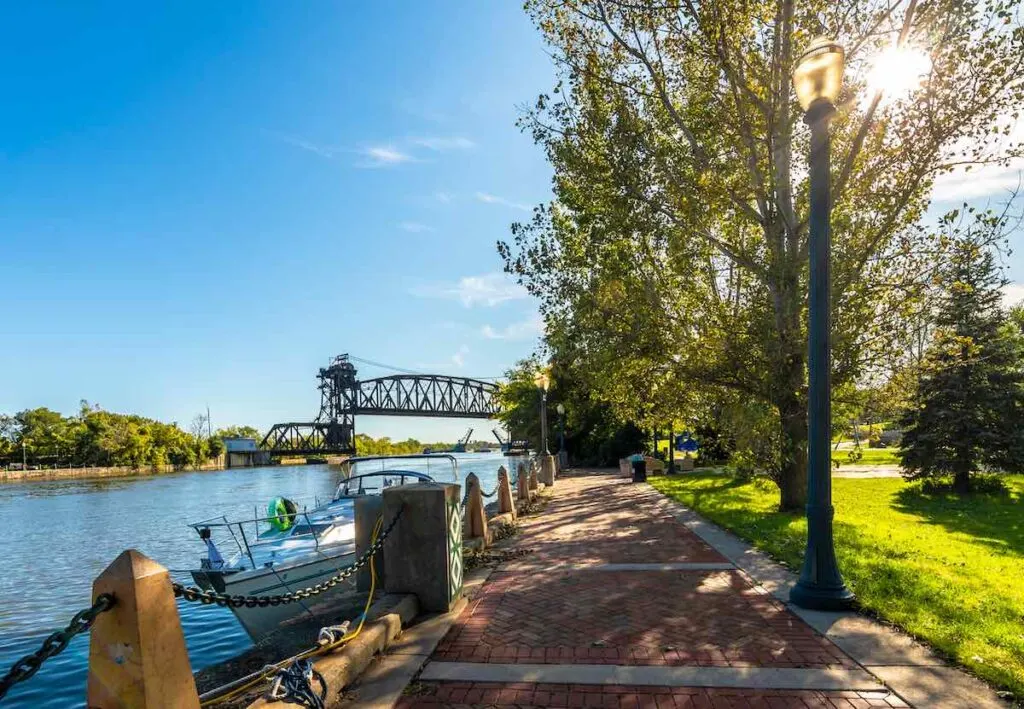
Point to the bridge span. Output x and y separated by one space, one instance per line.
343 397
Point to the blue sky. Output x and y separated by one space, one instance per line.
203 202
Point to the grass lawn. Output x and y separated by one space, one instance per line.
869 456
947 570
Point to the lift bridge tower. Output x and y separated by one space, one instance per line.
334 429
342 397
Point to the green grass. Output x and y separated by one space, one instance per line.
948 570
869 456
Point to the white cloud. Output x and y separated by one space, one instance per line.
459 358
384 156
494 199
995 181
443 197
1013 294
415 227
524 330
440 144
489 290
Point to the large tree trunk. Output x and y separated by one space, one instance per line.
793 466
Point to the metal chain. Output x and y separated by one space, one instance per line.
492 493
196 594
294 684
55 643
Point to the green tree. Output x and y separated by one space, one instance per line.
675 252
970 401
239 432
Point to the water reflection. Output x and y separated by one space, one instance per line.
63 533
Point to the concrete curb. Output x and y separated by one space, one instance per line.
383 683
341 668
731 677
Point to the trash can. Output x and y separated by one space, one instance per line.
639 469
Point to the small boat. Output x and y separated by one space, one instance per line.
291 549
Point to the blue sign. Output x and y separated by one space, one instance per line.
685 443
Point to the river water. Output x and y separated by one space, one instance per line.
61 534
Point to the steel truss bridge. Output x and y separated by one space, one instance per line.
343 397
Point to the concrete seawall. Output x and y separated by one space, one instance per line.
116 471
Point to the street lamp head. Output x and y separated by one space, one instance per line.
542 379
560 409
819 73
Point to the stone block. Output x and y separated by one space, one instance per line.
368 510
423 555
547 470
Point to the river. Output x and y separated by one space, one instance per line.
62 533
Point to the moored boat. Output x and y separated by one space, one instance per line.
291 549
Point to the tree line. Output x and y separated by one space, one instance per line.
95 437
671 267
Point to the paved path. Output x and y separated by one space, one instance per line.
623 605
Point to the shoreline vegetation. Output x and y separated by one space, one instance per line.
41 444
943 567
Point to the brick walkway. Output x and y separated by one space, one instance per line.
587 604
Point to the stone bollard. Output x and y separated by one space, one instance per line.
137 654
533 476
423 554
505 502
547 470
523 483
368 509
476 515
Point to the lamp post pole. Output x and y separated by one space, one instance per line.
561 435
544 421
820 585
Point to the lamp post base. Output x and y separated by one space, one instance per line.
821 598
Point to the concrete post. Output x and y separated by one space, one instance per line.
523 483
533 476
423 554
137 654
547 470
476 515
505 501
368 510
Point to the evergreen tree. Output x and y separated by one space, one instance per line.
969 409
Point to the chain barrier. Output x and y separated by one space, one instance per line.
294 684
195 594
55 643
492 493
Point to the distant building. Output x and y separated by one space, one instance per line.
239 444
241 452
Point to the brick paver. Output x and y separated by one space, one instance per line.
707 618
607 523
526 695
557 606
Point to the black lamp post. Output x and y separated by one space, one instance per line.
543 381
561 435
817 79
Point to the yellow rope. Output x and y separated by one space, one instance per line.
270 670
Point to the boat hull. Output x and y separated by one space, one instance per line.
261 622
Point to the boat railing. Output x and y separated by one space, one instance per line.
430 462
242 545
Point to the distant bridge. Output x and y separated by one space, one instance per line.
343 397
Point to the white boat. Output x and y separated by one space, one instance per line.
292 549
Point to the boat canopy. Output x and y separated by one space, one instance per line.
438 467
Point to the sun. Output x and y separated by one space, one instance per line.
897 71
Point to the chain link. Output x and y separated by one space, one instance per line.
55 643
197 595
